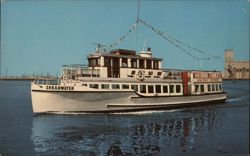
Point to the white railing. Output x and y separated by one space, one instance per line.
47 81
78 71
171 74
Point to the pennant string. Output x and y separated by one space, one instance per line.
119 40
179 43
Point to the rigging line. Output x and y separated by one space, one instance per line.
122 38
179 42
169 40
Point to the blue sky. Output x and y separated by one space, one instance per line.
39 36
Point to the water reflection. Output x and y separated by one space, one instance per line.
154 134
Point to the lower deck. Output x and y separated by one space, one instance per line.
108 95
92 102
141 88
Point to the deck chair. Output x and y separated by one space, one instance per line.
158 75
149 75
132 74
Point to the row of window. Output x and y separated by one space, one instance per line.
160 89
142 88
144 64
208 87
214 87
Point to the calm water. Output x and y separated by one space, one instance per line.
210 130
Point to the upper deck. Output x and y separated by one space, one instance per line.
121 63
127 65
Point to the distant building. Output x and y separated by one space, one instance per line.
235 69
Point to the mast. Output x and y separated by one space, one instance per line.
137 23
138 12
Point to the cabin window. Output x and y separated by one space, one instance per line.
196 88
165 89
134 87
84 84
116 62
157 88
143 88
90 62
209 87
124 62
93 62
107 61
115 86
141 63
220 87
150 89
125 86
171 88
105 86
178 88
202 88
148 63
134 63
156 66
217 87
93 86
213 87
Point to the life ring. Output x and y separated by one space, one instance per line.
140 76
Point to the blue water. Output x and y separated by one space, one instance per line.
221 129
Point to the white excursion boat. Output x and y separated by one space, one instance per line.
122 80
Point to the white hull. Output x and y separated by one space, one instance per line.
51 102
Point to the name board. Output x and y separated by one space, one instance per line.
66 88
206 77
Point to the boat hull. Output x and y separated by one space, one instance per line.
108 102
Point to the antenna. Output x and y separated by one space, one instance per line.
99 47
145 42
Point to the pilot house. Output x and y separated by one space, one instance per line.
121 63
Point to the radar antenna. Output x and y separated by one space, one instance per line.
99 47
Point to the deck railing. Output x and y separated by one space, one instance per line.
78 71
47 81
171 74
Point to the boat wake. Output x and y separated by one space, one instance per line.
240 98
146 112
143 112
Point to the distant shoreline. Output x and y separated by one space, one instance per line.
15 79
32 79
24 78
236 79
